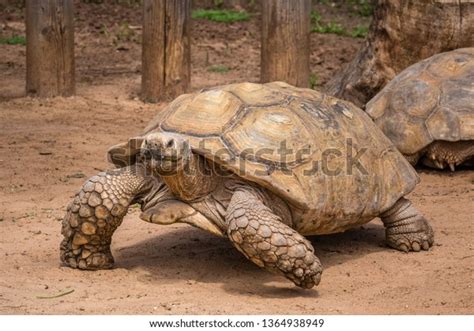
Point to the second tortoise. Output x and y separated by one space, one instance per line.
427 111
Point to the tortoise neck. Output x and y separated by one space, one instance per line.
193 180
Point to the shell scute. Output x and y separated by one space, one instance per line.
417 98
255 94
206 114
293 91
266 132
450 64
408 135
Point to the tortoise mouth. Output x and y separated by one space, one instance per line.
162 163
159 156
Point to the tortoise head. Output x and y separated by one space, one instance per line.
186 174
165 153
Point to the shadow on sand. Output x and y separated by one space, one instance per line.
192 255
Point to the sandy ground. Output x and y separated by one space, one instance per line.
49 147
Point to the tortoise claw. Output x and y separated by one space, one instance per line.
403 248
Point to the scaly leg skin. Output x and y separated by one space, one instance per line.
448 153
95 213
406 229
265 240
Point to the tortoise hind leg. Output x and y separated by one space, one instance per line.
265 240
406 229
448 153
95 213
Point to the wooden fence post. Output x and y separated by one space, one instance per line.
285 41
166 54
50 48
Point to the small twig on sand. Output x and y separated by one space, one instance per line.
55 296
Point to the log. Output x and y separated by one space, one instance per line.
50 48
402 33
166 55
285 41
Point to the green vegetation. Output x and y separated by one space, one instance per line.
315 18
313 81
220 68
221 15
359 31
332 27
319 27
15 40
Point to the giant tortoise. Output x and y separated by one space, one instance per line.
427 111
262 165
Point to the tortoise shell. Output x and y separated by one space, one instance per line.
429 101
246 127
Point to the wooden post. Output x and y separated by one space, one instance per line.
285 41
166 54
50 48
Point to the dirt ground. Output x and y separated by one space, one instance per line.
49 147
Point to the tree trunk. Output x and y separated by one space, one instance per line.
50 48
285 41
166 56
402 33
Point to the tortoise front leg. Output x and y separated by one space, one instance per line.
265 240
96 212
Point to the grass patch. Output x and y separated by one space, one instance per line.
221 15
330 27
220 68
315 18
359 31
319 27
15 40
